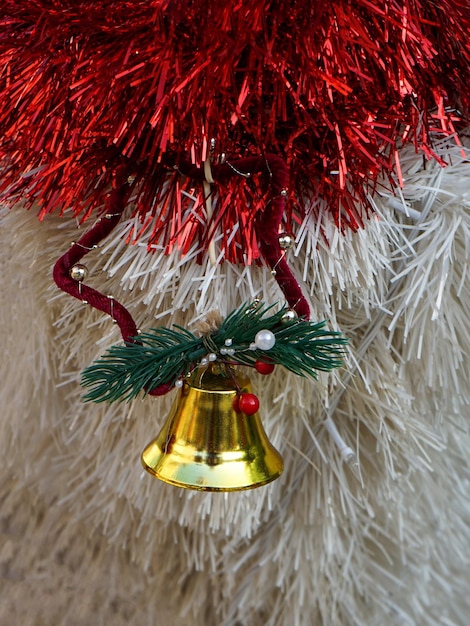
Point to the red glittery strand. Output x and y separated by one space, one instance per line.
333 89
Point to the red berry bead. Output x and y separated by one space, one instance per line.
264 368
248 403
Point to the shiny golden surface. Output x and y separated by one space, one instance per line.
206 445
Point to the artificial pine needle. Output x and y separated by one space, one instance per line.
162 356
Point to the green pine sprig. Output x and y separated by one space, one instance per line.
162 356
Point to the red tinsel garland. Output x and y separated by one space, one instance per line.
332 88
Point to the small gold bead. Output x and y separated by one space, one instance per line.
289 316
78 272
286 241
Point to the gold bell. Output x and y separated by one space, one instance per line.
206 444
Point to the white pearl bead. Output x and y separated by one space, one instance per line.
179 383
212 356
228 342
265 340
204 361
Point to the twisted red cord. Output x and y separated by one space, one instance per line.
88 241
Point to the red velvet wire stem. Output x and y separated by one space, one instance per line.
268 221
89 240
61 273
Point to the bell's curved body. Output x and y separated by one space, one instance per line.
206 444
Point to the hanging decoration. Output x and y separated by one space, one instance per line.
213 439
155 362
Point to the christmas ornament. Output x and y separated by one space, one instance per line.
208 445
160 360
213 439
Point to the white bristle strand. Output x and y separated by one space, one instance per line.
383 542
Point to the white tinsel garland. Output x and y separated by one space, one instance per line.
383 541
